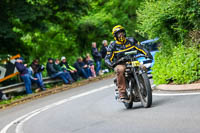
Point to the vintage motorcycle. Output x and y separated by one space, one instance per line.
138 86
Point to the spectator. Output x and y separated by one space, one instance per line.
104 48
66 67
90 64
111 42
24 74
82 68
59 69
97 57
30 71
37 72
53 73
3 96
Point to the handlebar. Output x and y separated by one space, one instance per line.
140 56
127 57
131 52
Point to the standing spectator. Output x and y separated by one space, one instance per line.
59 69
37 72
82 68
104 48
90 64
24 74
97 57
53 73
111 42
103 53
66 67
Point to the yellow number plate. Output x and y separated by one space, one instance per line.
136 63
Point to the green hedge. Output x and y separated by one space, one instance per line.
168 19
173 21
182 66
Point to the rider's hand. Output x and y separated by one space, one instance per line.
150 56
111 65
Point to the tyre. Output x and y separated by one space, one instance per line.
145 91
129 103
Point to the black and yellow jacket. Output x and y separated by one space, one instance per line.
116 50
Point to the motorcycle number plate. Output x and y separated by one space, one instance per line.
136 63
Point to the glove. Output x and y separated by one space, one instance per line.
110 65
149 56
114 65
41 68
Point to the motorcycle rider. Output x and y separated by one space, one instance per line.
116 51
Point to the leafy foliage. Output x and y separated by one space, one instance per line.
55 28
38 25
177 25
169 20
64 27
183 66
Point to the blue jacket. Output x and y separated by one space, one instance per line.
21 68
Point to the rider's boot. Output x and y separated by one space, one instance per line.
123 96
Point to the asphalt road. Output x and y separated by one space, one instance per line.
93 109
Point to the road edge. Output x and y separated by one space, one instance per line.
54 90
184 87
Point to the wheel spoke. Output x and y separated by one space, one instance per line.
145 90
142 89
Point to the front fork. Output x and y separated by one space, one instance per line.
135 74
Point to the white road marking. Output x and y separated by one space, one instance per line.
4 130
21 120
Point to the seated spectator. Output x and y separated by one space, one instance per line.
37 72
53 73
30 71
24 74
59 69
3 96
82 68
90 63
66 67
111 42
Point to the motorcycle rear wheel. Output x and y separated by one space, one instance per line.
129 103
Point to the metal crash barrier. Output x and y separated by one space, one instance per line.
19 87
8 70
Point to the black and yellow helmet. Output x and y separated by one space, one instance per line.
117 29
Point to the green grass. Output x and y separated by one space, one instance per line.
12 99
18 96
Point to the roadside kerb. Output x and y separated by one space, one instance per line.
184 87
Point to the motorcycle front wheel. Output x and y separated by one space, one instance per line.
145 91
